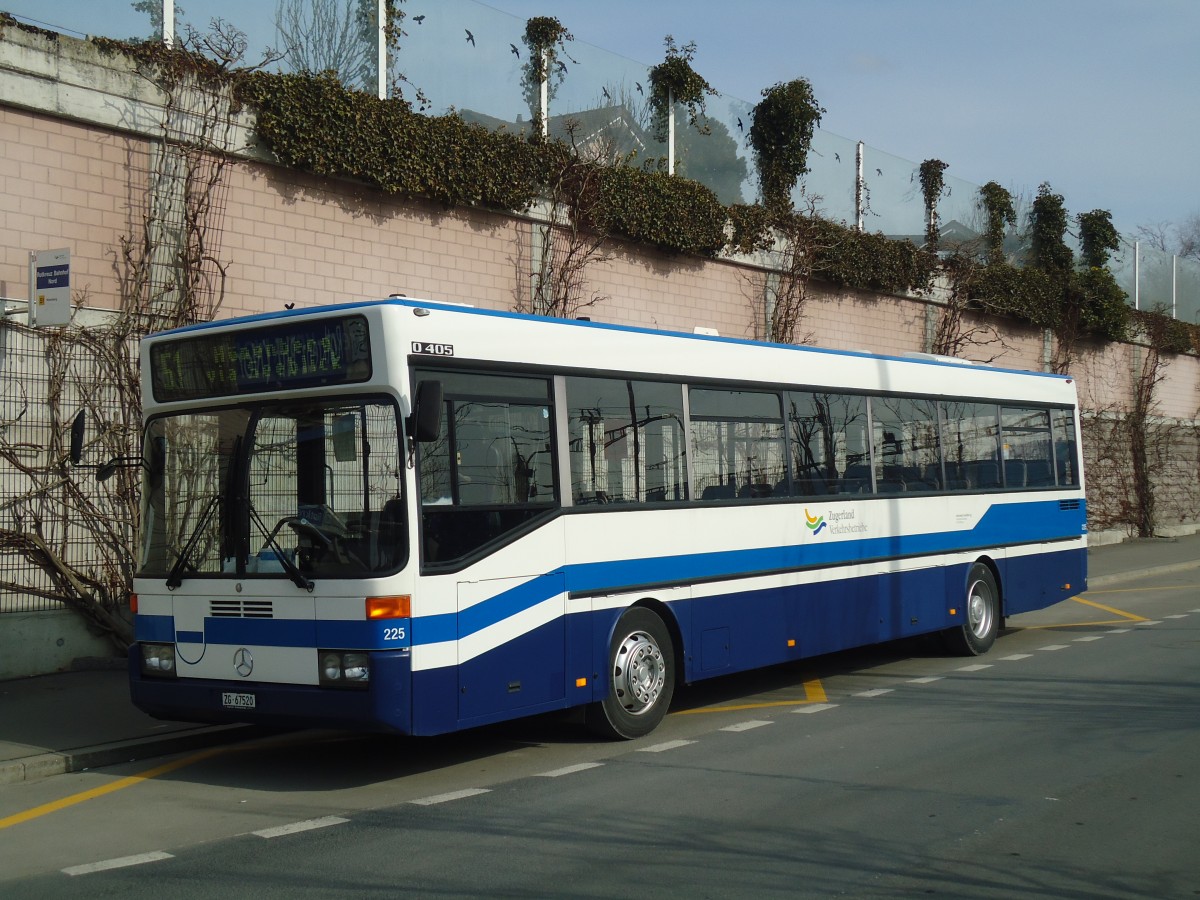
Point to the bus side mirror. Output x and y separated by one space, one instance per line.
77 428
427 411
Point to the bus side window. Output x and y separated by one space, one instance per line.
738 449
627 441
906 444
822 429
490 469
1066 450
1028 447
970 445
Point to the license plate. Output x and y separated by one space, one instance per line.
231 700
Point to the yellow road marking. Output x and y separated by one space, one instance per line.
1133 617
814 692
1177 587
1126 617
121 784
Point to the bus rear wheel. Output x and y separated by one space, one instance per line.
982 615
640 675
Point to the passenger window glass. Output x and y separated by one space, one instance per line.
970 442
1028 449
737 444
491 468
827 437
906 445
627 443
1066 458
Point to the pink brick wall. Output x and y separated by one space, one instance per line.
289 238
66 185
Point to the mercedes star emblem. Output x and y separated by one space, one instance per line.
243 662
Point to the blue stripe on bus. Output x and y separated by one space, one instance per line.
382 634
160 629
1002 524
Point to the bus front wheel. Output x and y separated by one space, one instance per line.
641 678
981 615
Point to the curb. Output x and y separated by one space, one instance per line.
1133 574
43 765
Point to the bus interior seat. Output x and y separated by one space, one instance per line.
719 492
983 474
756 490
1015 473
1038 473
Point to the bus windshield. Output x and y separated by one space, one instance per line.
297 490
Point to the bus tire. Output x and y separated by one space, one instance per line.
640 675
982 615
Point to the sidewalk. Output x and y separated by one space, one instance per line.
83 719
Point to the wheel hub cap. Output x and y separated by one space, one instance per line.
639 672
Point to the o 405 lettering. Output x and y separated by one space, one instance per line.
429 349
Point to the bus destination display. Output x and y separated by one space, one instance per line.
272 358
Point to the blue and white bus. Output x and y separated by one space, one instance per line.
417 517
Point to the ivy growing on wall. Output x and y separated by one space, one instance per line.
781 133
312 123
648 207
933 179
999 215
1048 248
546 40
1097 237
867 261
675 81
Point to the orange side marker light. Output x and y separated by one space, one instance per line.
397 607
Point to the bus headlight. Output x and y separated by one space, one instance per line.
158 660
344 668
357 667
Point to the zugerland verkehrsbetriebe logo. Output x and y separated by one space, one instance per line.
838 522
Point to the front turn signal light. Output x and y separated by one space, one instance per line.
396 607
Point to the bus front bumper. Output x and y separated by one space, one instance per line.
384 706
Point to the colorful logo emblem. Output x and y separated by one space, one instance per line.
815 523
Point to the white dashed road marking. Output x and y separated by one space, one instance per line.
815 708
453 795
297 827
569 770
669 745
119 863
746 726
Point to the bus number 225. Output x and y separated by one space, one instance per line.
394 634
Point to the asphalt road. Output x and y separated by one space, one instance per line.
1061 764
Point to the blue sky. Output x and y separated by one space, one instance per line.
1097 97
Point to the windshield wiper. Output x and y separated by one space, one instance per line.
175 576
293 573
